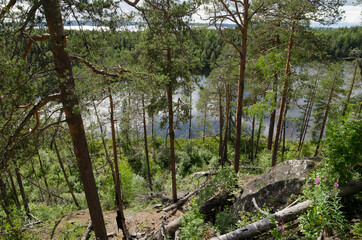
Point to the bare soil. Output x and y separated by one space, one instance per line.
144 221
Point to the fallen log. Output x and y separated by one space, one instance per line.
220 199
258 208
286 215
55 226
26 226
169 229
183 200
89 229
201 174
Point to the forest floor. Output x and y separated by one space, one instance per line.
141 220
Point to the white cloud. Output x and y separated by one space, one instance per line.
352 14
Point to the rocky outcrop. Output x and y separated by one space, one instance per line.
274 187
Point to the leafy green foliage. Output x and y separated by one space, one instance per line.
224 180
325 211
343 148
191 159
357 230
225 221
342 41
193 226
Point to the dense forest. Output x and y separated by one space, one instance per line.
150 126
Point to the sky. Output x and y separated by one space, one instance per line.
351 17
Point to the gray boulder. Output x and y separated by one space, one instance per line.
274 187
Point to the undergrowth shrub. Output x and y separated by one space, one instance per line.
343 148
191 159
193 226
325 210
225 221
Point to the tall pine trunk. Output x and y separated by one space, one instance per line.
239 107
257 139
118 190
190 117
227 114
74 120
65 174
221 126
350 90
324 120
108 159
146 144
13 189
22 192
36 178
308 114
4 199
252 139
284 128
284 95
273 114
171 129
44 175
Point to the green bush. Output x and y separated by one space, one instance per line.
193 226
162 157
343 148
192 158
357 230
225 221
224 180
325 210
131 183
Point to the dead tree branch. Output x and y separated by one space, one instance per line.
285 215
89 229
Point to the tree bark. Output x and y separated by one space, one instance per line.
350 90
70 103
284 128
44 176
22 192
239 107
305 124
190 117
324 120
169 229
65 174
146 144
3 199
117 178
284 95
227 115
204 127
36 178
252 139
13 188
108 159
221 126
257 139
3 192
171 130
273 114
